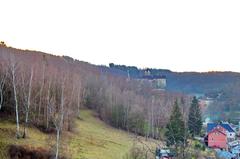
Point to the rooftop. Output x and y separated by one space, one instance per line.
211 126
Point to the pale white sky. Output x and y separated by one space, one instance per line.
181 35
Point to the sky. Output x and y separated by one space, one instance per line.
181 35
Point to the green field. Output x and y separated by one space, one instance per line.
91 139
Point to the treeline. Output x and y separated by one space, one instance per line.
135 72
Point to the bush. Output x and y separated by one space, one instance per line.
23 153
138 153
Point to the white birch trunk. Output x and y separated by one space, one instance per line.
60 123
13 69
48 105
28 103
40 94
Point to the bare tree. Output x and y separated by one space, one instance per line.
79 100
41 93
58 121
49 105
152 116
2 84
13 67
27 99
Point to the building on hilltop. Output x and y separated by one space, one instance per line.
157 81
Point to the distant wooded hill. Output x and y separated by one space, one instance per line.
187 82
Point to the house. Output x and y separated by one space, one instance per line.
217 138
164 154
233 144
225 154
231 134
236 151
234 147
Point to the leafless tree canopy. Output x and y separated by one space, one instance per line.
49 91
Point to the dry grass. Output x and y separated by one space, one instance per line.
92 139
96 140
7 137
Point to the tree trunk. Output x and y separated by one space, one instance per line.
13 67
1 94
60 123
40 98
57 141
28 104
48 104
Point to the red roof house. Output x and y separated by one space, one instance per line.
217 138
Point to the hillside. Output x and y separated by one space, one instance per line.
45 86
91 139
222 87
48 92
187 82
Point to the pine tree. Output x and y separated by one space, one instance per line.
194 118
175 129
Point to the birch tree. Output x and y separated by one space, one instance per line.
27 98
2 84
49 104
13 67
58 121
41 93
79 100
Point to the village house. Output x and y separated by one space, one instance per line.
217 138
234 147
233 144
225 154
231 134
219 135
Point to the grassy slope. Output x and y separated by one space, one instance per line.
7 137
92 139
96 140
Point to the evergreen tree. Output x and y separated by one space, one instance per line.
175 133
194 118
